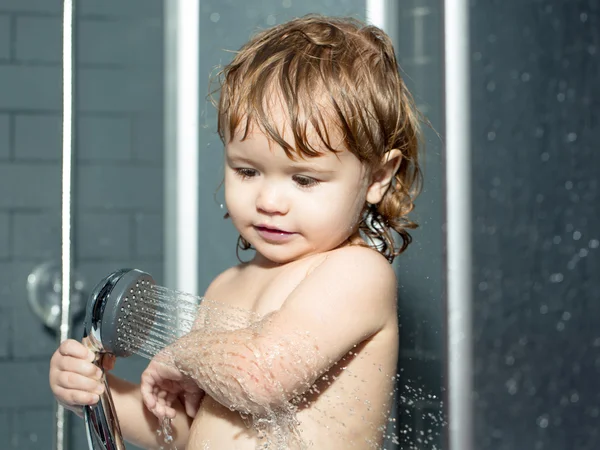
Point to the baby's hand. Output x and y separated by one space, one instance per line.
74 379
163 385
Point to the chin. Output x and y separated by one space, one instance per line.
278 254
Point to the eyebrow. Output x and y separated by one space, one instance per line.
293 167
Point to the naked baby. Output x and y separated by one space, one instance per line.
321 165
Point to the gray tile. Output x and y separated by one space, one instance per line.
134 8
120 187
5 37
30 337
148 138
39 39
103 236
38 137
38 6
30 186
13 281
5 238
126 42
33 429
4 136
104 138
25 385
119 90
149 235
4 424
5 335
32 87
37 234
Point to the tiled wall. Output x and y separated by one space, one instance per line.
118 177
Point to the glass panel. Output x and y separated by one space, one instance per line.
536 170
225 26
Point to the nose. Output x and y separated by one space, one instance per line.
272 200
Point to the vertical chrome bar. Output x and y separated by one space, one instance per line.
384 14
459 218
376 13
182 61
67 152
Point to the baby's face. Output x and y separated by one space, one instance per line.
290 209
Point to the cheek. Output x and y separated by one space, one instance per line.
233 194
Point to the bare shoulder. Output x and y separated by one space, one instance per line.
221 280
364 266
360 278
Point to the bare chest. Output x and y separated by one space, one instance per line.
260 291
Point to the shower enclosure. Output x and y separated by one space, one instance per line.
131 178
506 255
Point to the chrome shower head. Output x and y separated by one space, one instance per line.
112 302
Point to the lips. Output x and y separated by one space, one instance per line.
271 229
271 234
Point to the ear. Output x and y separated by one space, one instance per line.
383 176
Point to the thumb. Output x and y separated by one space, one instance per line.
192 403
108 361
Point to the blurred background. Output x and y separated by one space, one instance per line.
535 175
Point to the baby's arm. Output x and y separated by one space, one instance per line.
75 381
344 301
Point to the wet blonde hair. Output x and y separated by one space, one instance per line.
331 71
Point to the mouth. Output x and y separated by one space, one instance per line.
272 234
271 229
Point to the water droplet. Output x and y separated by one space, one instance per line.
556 277
543 421
215 17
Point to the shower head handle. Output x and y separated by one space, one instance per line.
112 302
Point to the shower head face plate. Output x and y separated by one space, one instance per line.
115 300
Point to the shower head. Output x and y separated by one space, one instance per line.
112 302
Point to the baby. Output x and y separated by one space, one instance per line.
321 166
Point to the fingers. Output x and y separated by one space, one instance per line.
76 366
73 398
74 379
158 394
72 348
77 382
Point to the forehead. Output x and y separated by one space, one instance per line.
302 130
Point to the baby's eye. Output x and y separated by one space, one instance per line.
304 181
246 173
